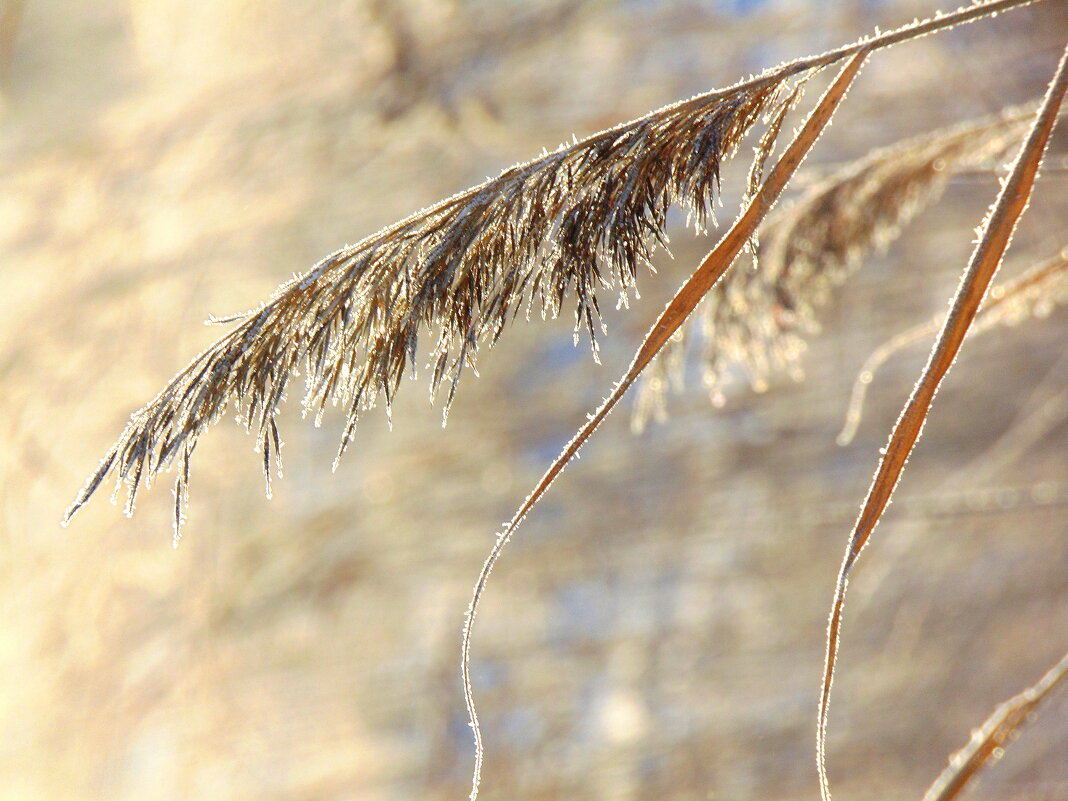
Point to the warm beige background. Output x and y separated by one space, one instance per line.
656 631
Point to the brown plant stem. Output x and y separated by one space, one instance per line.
995 733
996 234
714 265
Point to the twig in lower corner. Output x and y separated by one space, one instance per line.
997 731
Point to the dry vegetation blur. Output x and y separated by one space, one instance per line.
657 629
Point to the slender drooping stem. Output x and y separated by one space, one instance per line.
713 266
986 258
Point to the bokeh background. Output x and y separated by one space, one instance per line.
656 630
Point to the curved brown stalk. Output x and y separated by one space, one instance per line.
1031 280
997 731
711 268
997 232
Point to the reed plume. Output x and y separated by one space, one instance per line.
578 220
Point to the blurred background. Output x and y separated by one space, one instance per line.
657 628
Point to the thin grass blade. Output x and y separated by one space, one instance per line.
996 233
